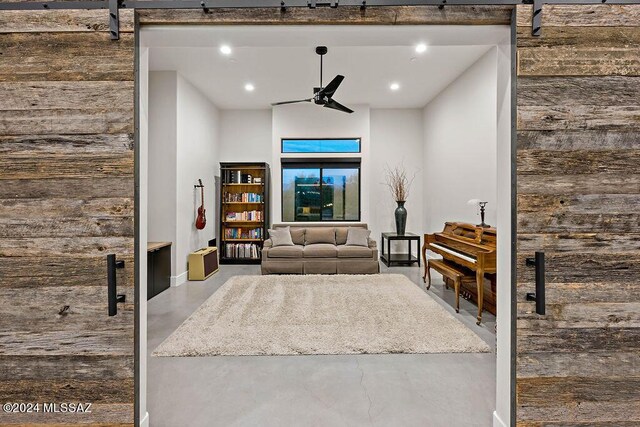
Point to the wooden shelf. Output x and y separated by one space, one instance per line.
242 240
243 203
242 222
241 184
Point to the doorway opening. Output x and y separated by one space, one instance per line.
432 101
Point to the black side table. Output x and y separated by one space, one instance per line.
399 259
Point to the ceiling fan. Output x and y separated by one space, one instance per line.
323 95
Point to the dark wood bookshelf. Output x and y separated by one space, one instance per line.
237 181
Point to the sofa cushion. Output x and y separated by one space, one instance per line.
297 235
358 237
314 235
280 237
341 235
320 250
354 252
286 252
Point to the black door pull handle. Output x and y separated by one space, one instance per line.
112 287
538 296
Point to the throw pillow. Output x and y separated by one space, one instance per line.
358 237
281 237
319 235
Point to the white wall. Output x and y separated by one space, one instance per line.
198 139
460 147
311 121
245 136
162 156
183 147
396 138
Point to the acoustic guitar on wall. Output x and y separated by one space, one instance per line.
201 220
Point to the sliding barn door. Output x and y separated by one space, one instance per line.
578 172
66 201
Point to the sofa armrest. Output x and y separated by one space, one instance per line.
267 244
372 243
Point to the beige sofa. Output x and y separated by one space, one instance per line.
313 253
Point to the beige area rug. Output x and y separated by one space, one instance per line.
314 314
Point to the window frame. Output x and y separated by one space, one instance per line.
320 164
282 140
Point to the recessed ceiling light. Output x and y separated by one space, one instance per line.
249 87
225 49
394 86
420 48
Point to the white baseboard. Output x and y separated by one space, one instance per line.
179 279
144 422
497 422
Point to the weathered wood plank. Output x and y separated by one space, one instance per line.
582 293
578 162
93 187
63 121
63 227
576 117
95 391
563 365
20 271
85 247
604 15
570 340
579 51
561 184
584 267
37 21
399 15
67 208
99 165
102 415
596 243
569 140
580 414
66 56
578 389
600 213
553 91
581 315
83 95
65 144
65 367
118 341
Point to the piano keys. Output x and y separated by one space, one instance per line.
469 257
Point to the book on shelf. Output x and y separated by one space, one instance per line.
244 216
244 197
242 233
242 250
238 177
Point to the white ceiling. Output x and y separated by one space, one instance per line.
281 63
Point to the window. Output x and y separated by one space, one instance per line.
330 145
320 190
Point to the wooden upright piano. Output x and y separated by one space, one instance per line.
469 256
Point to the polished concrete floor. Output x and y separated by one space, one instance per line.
343 390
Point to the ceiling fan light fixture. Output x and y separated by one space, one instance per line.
421 48
225 49
249 87
394 86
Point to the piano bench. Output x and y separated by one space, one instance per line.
448 271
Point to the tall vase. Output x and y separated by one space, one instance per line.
401 218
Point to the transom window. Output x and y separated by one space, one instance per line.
326 145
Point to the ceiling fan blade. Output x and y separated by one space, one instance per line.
337 106
292 102
331 88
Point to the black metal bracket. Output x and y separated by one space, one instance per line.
114 19
113 297
539 295
283 7
205 9
312 4
441 6
536 18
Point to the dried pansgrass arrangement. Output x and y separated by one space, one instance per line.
399 182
